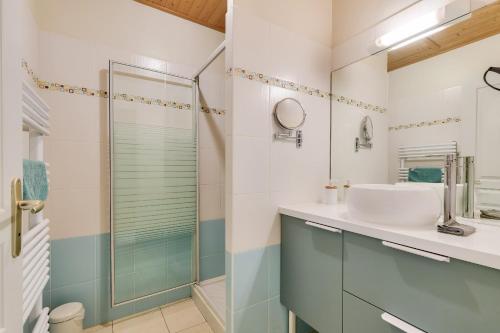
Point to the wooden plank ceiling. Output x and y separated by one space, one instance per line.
483 23
210 13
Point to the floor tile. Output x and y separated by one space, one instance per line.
106 328
203 328
181 316
151 322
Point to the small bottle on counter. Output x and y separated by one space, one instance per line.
330 196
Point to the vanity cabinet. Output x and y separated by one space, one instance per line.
311 273
334 279
432 292
361 317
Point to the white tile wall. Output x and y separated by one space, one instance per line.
212 142
77 147
437 88
263 173
366 80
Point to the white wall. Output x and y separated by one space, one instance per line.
74 52
266 173
365 81
438 88
311 19
129 26
212 142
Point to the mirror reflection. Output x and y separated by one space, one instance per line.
439 96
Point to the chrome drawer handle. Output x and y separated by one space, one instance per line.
421 253
323 227
399 324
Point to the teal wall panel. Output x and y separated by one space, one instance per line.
80 271
253 301
212 249
92 286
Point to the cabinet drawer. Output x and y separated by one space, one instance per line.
437 296
311 274
361 317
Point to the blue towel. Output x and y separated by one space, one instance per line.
35 184
425 175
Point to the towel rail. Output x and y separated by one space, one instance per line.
42 324
36 256
35 112
430 152
34 246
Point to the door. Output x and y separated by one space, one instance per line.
10 163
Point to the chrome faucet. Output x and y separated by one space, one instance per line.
450 224
450 189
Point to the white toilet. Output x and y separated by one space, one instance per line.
67 318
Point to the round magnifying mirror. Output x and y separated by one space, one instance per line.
366 129
289 114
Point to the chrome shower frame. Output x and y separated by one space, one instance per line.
195 105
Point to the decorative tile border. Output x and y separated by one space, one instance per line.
70 89
276 82
272 81
358 104
152 101
438 122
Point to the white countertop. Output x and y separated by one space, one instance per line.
482 247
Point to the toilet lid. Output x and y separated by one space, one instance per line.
65 312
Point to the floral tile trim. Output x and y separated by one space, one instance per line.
53 86
70 89
358 104
437 122
151 101
207 109
272 81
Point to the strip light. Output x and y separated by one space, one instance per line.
413 28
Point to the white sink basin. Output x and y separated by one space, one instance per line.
402 206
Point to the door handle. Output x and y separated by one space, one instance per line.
323 227
399 324
417 252
18 205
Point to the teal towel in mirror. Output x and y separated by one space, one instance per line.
35 183
425 175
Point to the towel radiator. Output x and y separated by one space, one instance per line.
427 153
35 246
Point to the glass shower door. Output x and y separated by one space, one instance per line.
153 182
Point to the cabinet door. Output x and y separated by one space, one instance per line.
361 317
311 274
438 296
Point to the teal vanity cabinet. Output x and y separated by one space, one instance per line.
361 317
432 293
311 273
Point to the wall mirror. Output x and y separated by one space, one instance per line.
427 97
290 116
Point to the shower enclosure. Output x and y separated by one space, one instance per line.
154 188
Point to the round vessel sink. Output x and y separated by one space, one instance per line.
401 206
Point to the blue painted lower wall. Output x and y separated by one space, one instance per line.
254 298
80 271
212 248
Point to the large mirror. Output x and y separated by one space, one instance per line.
427 95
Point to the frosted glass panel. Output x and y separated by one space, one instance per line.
154 182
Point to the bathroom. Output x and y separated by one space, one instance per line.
249 166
